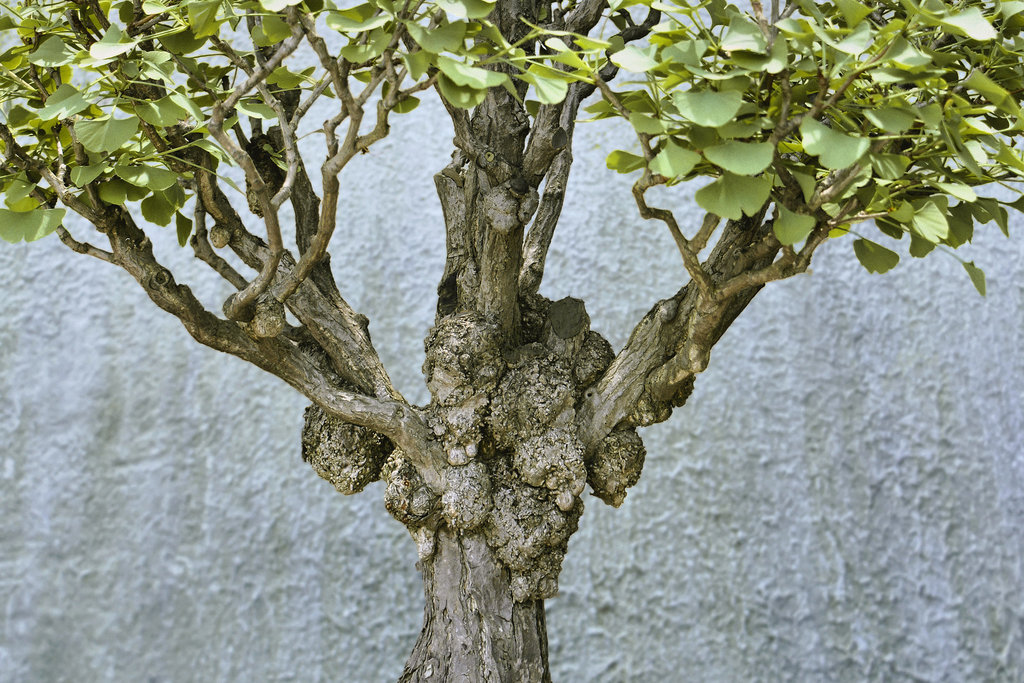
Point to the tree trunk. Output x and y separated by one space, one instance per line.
473 631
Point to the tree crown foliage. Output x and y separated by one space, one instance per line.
834 113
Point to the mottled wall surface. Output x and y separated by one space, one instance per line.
842 499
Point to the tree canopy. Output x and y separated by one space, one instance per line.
836 113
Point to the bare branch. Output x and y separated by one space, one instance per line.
540 234
652 373
204 251
83 247
239 306
707 228
690 259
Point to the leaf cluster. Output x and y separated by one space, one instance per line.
835 113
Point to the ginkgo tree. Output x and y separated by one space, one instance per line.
799 123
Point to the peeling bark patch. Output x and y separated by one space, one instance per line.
467 497
529 533
406 496
347 455
553 460
462 368
617 465
531 395
594 357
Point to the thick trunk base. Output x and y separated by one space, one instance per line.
473 631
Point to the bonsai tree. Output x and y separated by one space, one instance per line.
799 124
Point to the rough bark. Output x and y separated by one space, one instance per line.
473 628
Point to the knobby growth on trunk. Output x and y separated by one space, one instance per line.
529 406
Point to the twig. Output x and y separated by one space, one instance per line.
690 259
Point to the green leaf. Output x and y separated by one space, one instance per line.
688 52
969 22
563 54
903 53
19 189
635 59
417 63
52 52
806 182
731 196
184 228
256 110
288 80
977 276
890 119
272 30
83 175
741 158
158 208
875 257
889 166
161 113
957 190
19 117
987 209
853 11
642 123
278 5
106 135
469 76
708 107
548 90
992 91
187 104
114 191
929 222
63 103
859 40
357 19
961 225
674 161
155 179
919 246
792 227
202 16
448 37
624 162
834 149
406 105
458 95
111 45
30 225
359 53
182 42
467 9
743 35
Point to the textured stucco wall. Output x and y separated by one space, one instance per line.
842 499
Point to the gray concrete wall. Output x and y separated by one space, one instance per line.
840 501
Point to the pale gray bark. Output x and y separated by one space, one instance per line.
473 629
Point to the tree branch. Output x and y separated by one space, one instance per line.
654 371
538 238
83 247
689 254
239 306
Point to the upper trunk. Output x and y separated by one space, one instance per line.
473 629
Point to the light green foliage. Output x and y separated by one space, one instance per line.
116 97
832 114
844 112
